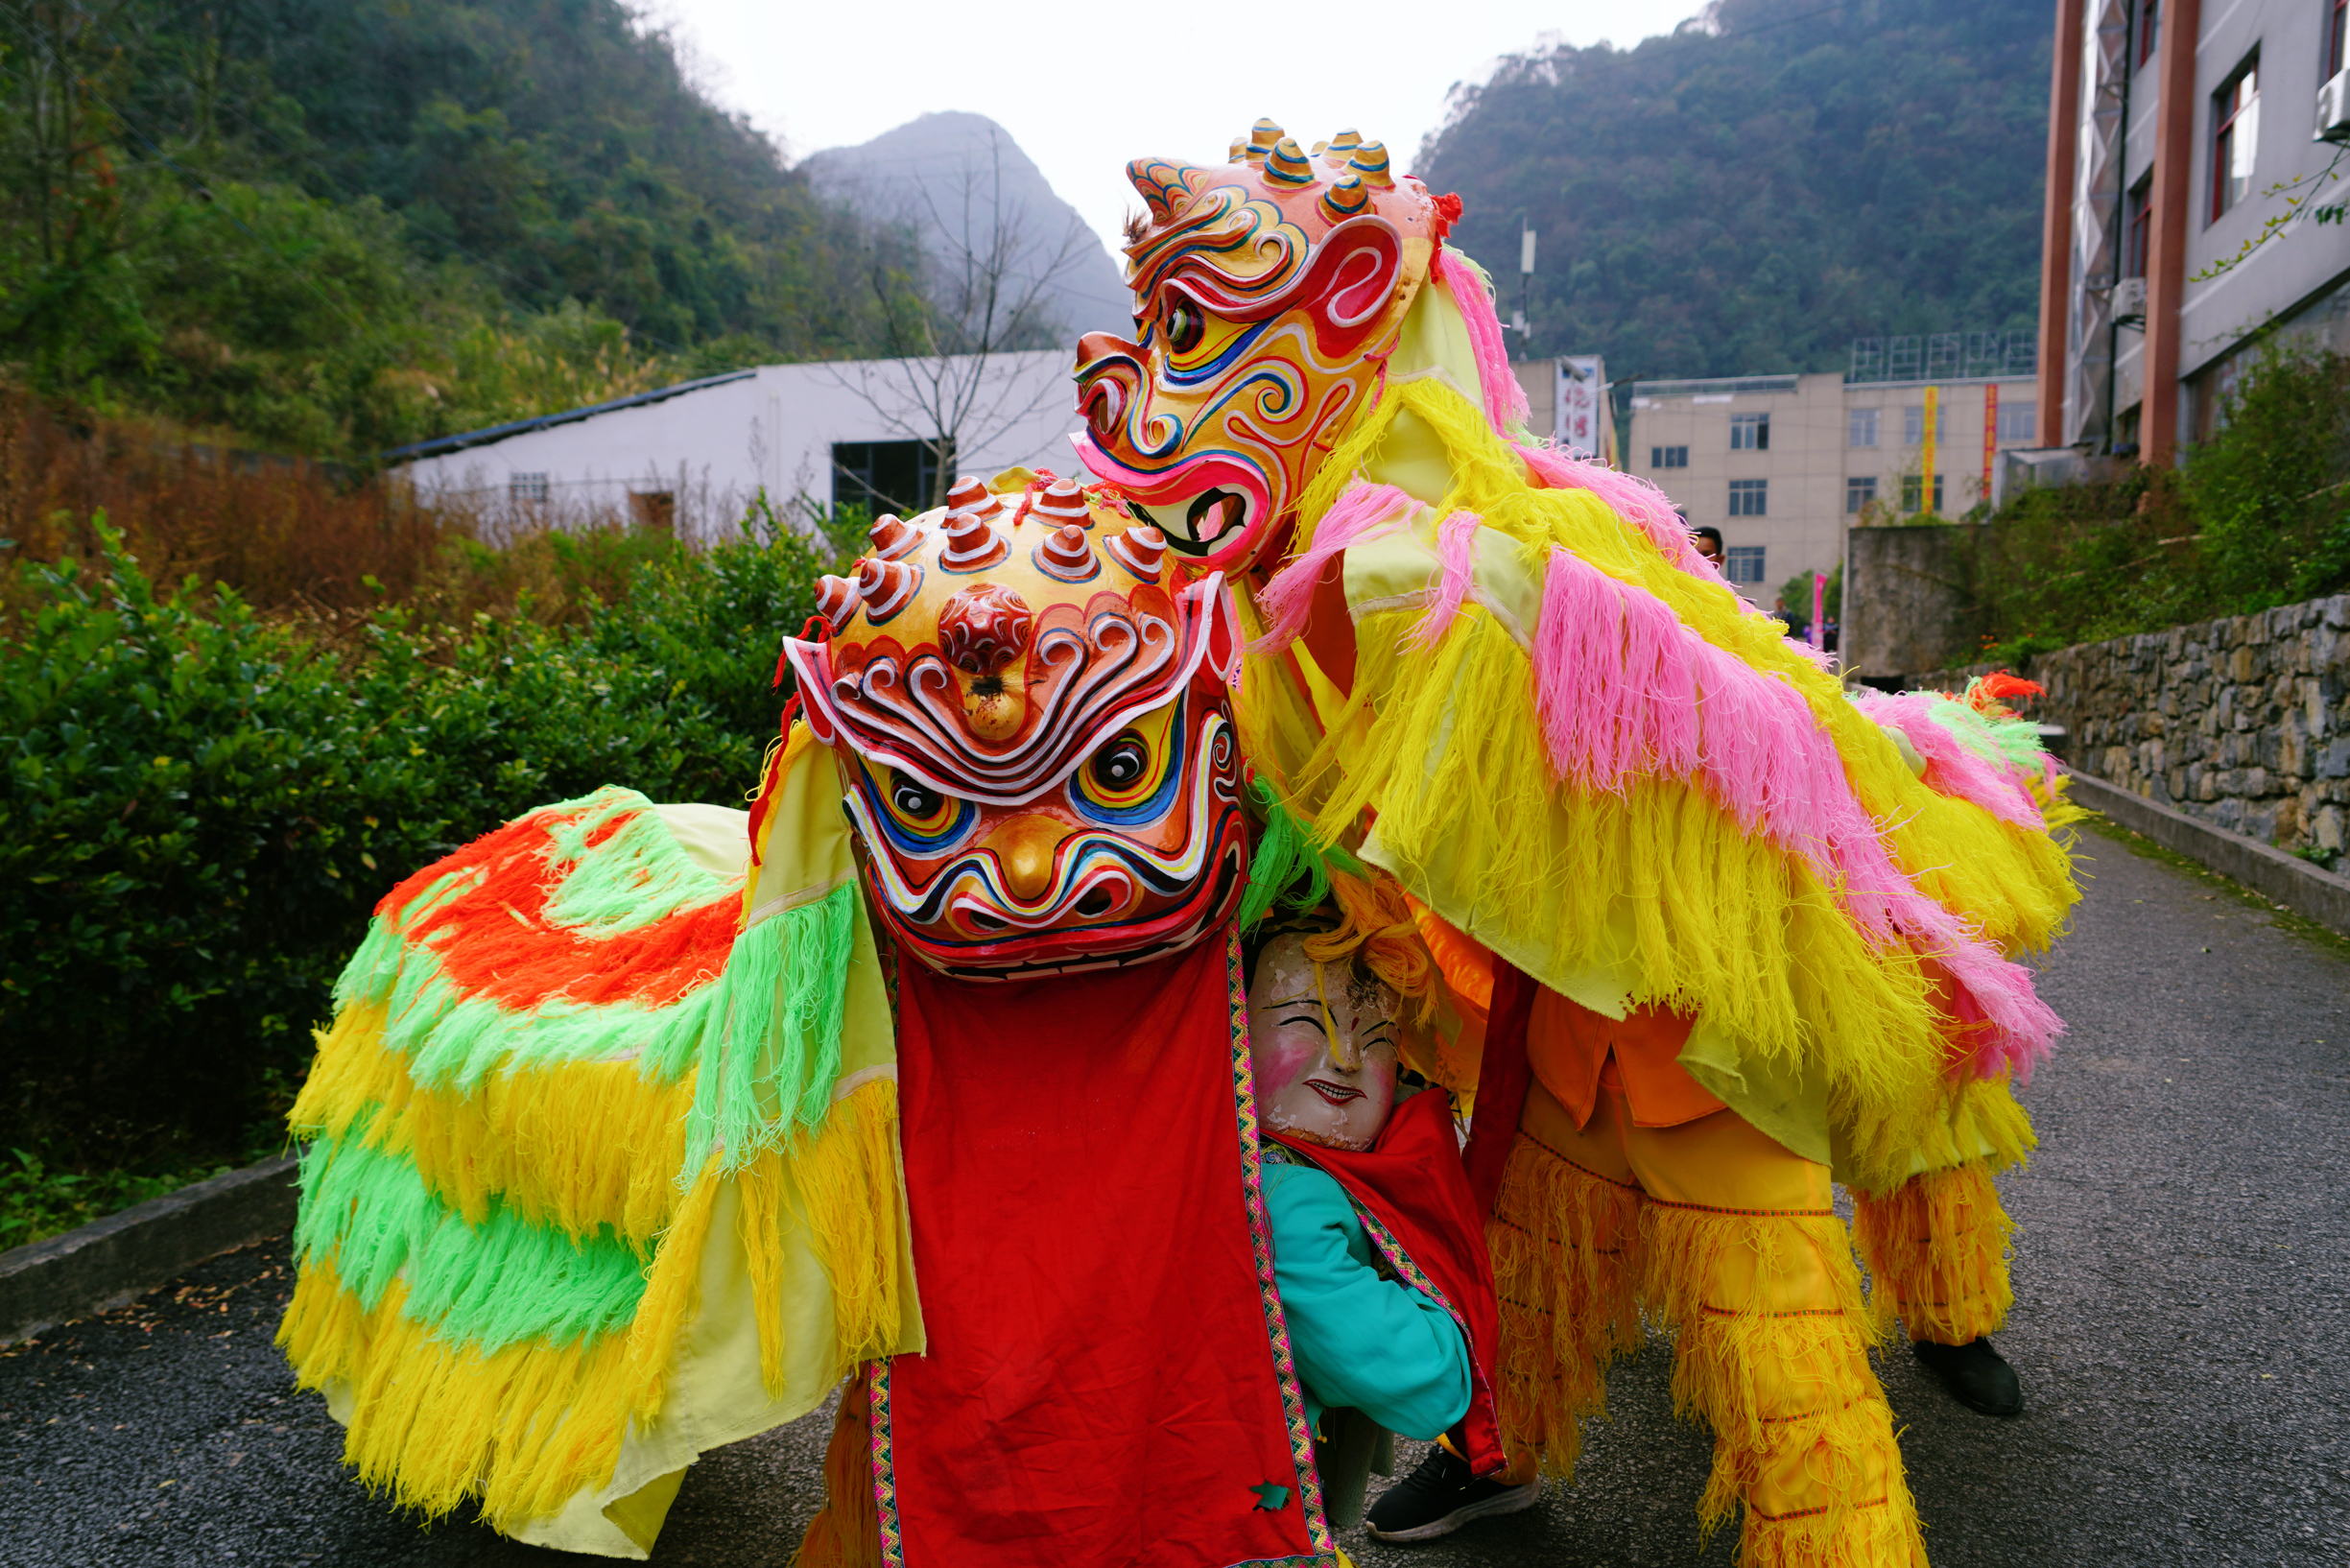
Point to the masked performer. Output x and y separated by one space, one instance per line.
635 1127
1378 1245
1729 942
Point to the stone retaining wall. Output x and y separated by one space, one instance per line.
2244 723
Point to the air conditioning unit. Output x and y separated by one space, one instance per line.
2129 300
2333 110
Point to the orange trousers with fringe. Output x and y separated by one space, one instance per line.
1733 1241
1936 1246
846 1530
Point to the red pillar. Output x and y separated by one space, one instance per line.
2176 200
2056 224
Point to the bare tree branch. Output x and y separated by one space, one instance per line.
986 290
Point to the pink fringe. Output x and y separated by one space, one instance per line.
1631 497
1953 767
1363 512
1623 688
1457 556
1504 399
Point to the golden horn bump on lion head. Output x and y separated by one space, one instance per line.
1067 556
970 493
972 543
1286 164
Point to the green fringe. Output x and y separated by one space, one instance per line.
634 878
767 1064
1285 857
486 1286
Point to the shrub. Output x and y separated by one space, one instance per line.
2258 516
201 805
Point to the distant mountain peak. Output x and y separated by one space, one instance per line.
950 175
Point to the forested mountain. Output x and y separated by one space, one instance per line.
1776 179
336 224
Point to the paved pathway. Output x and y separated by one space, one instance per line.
2183 1312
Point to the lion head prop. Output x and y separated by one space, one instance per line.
1032 722
1269 294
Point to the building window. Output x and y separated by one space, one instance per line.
1861 427
2137 226
2019 423
1749 431
526 486
1744 563
2235 136
1913 424
2149 29
884 476
655 512
2337 37
1913 486
1668 456
1858 493
1749 497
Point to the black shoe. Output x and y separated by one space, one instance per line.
1974 1374
1441 1496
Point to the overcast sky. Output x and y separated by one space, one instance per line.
1084 88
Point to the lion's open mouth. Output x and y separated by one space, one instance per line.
1212 515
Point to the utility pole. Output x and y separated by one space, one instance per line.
1526 270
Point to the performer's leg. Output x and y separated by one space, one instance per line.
1747 1260
1936 1246
846 1530
1565 1238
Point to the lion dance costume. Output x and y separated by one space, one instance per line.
1723 933
634 1132
639 1126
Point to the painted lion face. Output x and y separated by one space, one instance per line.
1269 295
1035 743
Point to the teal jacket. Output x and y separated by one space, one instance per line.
1362 1338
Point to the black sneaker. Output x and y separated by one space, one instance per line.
1974 1374
1441 1496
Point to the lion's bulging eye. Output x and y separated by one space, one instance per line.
912 797
1186 325
1120 764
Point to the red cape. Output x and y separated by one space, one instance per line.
1410 1185
1109 1382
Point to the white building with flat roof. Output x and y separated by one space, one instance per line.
692 456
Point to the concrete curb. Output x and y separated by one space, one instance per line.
2284 879
113 1261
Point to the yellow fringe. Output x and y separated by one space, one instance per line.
1948 1127
1773 1355
672 1291
848 1179
524 1428
1936 1247
578 1145
1566 1261
1456 771
846 1530
1717 921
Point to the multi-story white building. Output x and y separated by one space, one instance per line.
2181 133
1783 466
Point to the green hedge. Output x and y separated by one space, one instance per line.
201 806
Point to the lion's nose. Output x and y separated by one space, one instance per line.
1024 848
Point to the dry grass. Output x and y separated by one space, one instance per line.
297 539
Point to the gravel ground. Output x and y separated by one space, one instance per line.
2180 1277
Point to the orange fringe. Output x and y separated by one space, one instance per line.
1566 1256
846 1530
1936 1247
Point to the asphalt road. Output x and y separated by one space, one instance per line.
2182 1302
